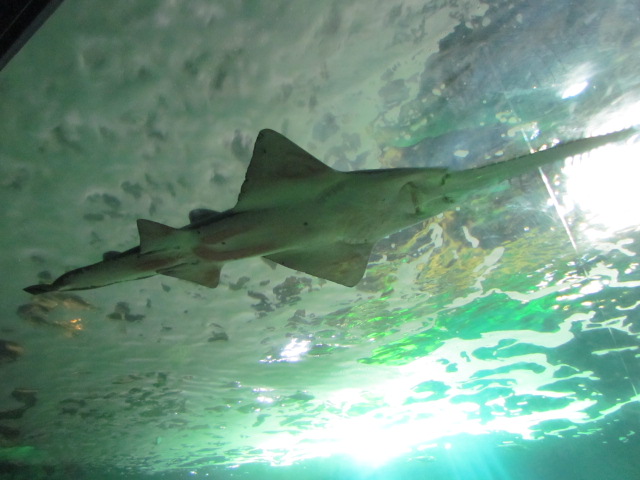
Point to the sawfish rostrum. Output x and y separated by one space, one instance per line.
298 212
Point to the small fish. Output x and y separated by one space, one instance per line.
298 212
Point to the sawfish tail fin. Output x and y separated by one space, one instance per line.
497 172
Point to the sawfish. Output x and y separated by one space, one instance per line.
298 212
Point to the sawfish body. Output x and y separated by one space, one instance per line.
298 212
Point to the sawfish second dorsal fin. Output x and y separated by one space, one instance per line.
153 234
276 160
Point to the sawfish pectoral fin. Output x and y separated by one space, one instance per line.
206 275
341 263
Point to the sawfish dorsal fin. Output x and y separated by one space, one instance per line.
276 162
340 262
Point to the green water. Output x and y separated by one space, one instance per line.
498 340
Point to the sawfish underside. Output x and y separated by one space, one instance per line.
298 212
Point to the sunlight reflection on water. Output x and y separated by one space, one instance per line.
605 188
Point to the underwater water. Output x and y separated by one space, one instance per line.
499 340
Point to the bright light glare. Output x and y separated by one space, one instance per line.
606 188
575 89
295 349
370 443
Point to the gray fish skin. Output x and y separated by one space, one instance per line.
298 212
